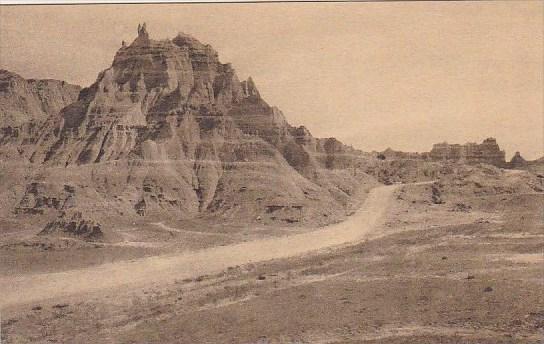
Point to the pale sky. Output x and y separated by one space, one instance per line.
374 75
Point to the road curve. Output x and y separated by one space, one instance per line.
36 287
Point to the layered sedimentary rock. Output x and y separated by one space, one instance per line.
25 105
40 198
169 130
487 152
518 162
74 224
393 154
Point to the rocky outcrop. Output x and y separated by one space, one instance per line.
160 100
487 152
390 154
25 105
518 162
74 224
169 130
23 101
534 166
42 197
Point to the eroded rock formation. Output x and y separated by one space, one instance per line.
169 130
518 162
487 152
74 224
25 105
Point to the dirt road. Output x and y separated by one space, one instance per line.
32 288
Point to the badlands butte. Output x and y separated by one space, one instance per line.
109 192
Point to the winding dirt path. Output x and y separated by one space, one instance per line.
36 287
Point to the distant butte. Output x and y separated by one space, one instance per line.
487 152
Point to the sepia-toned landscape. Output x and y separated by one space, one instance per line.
170 202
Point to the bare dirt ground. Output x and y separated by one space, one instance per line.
36 287
430 273
23 251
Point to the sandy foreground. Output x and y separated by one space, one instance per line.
400 270
36 287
